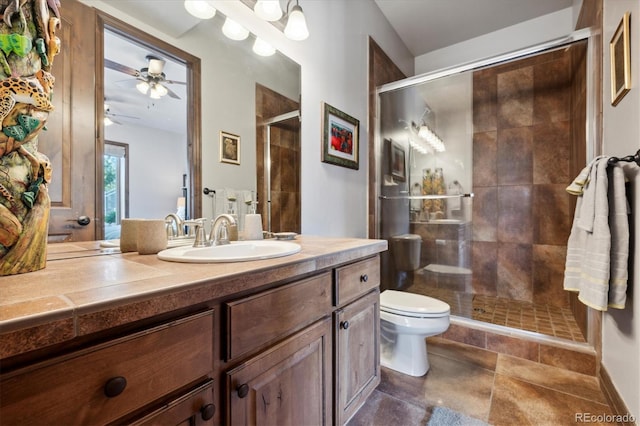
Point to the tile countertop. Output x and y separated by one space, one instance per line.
85 289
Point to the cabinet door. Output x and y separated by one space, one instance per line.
357 354
289 384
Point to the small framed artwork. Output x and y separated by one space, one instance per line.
229 148
620 55
340 139
397 163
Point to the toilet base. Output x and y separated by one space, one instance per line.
408 355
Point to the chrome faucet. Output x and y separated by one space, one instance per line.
174 231
221 229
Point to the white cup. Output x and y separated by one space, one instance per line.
129 235
152 236
252 227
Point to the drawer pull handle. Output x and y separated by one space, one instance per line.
243 390
364 278
114 386
344 325
207 411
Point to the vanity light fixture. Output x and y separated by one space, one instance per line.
200 9
262 48
296 28
269 10
233 30
432 139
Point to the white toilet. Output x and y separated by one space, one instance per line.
406 319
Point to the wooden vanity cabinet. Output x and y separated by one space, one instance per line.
307 352
114 380
356 336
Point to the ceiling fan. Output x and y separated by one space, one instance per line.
150 79
111 118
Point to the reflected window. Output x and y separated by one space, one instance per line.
116 187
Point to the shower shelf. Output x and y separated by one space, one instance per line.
423 197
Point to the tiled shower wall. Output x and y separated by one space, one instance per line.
285 162
523 144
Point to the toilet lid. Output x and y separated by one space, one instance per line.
411 304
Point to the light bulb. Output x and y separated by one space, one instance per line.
233 30
296 28
200 9
262 48
269 10
107 121
162 91
154 93
143 87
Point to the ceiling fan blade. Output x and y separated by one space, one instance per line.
108 63
174 82
172 93
122 116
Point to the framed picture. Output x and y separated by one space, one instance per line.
620 51
340 140
229 148
397 163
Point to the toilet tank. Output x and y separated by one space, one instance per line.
405 250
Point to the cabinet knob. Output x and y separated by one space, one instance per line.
114 386
243 390
344 325
207 411
364 278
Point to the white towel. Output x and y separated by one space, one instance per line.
598 246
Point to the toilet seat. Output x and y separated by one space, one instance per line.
412 305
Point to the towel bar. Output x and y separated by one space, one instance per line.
628 158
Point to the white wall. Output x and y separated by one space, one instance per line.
529 33
621 133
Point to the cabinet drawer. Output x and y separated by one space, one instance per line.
73 389
356 279
270 315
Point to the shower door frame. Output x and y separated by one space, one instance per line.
593 137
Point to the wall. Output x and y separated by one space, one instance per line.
621 133
529 33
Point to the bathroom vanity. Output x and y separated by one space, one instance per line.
100 337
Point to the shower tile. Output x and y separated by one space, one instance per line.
548 275
514 271
512 346
569 360
552 214
515 98
515 156
275 170
484 101
516 401
485 146
552 152
514 214
552 90
485 214
485 257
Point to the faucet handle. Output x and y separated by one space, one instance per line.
196 227
171 232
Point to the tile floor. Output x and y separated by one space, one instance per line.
495 388
540 318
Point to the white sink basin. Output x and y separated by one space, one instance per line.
237 251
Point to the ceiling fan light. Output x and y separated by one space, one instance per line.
296 28
161 89
156 65
143 87
269 10
233 30
154 93
200 9
107 121
262 48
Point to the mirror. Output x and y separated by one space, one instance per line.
170 161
